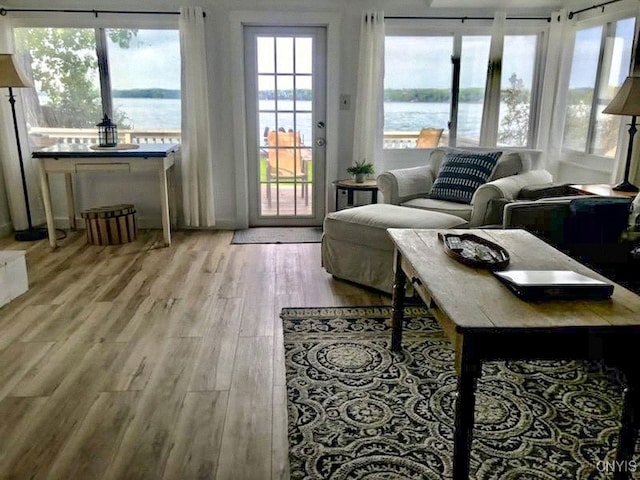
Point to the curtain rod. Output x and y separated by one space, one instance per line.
571 14
463 19
4 11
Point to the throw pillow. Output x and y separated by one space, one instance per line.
461 173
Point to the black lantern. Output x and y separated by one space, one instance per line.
107 133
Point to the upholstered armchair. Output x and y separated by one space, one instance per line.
515 169
589 228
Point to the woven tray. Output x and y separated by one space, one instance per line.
476 251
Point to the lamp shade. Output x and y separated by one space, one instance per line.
627 100
10 74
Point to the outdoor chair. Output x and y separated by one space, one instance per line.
429 137
285 161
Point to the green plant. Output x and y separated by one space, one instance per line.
362 167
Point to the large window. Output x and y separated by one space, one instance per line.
518 74
601 61
80 74
439 82
417 87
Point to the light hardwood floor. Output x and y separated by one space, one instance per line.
137 361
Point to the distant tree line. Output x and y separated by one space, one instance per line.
426 95
300 94
432 95
147 93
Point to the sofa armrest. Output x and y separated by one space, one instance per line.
401 185
507 188
544 218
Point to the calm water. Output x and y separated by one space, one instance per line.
152 113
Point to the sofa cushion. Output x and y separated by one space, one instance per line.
461 173
462 210
510 162
367 225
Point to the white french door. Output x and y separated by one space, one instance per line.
285 73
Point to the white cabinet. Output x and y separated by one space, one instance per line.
13 275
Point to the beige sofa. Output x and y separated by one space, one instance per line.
355 244
410 187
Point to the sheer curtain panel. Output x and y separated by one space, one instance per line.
196 165
369 110
9 155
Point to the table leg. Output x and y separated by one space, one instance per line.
46 197
71 204
173 209
350 197
164 202
465 411
397 304
629 431
337 196
374 196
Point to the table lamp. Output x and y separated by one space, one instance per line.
627 102
11 77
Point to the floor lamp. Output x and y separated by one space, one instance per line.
627 102
11 77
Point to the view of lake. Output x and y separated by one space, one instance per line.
156 113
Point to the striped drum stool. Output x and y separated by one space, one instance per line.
111 225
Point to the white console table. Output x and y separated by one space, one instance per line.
78 158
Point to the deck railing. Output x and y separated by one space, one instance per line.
43 137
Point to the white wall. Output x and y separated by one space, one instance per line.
142 190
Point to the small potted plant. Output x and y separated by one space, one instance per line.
361 170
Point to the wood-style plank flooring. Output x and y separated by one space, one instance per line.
142 362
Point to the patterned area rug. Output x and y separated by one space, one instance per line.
357 411
278 235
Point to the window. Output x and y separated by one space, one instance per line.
518 69
417 87
601 60
138 85
424 73
473 80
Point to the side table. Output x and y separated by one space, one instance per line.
602 189
351 186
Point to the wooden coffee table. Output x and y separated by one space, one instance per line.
485 322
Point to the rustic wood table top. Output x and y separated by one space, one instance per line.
485 321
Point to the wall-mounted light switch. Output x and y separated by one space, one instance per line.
345 102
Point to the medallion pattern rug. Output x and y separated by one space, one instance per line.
358 411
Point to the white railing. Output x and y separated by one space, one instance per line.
44 137
398 140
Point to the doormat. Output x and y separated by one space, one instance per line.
278 235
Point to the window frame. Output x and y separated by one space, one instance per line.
457 30
100 23
608 24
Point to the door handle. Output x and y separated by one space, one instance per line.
321 142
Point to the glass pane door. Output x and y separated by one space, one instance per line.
285 116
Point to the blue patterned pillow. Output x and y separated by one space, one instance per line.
461 173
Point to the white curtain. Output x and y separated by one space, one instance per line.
491 109
196 164
369 110
14 200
